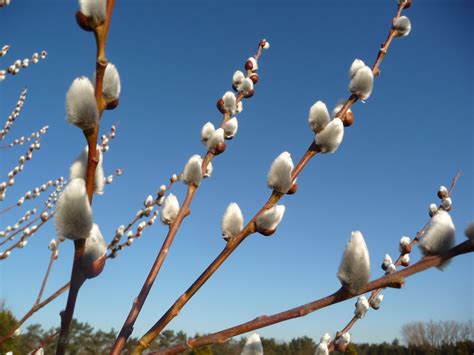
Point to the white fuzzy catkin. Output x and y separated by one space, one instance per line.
237 78
279 175
362 306
270 219
322 349
245 86
253 346
232 221
405 259
439 236
375 303
387 260
81 107
78 169
215 138
192 174
330 138
111 86
230 102
230 128
403 26
344 339
354 271
325 339
170 209
469 232
318 116
362 80
433 209
254 63
94 10
446 203
206 131
404 241
355 66
95 247
73 212
443 192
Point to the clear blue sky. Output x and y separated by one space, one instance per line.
176 59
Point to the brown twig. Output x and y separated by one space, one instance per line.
127 327
395 280
54 256
77 278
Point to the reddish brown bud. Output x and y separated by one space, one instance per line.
348 119
83 22
341 347
442 194
292 189
262 43
248 94
405 248
408 4
112 104
94 269
249 65
220 106
254 77
220 148
267 232
405 263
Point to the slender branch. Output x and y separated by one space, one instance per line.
33 310
127 327
77 278
46 276
395 280
42 223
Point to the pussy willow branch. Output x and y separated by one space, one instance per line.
113 245
38 304
127 327
15 114
10 237
77 278
395 280
250 228
42 223
397 263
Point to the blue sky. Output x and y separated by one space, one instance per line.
175 60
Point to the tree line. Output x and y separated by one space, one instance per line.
436 338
